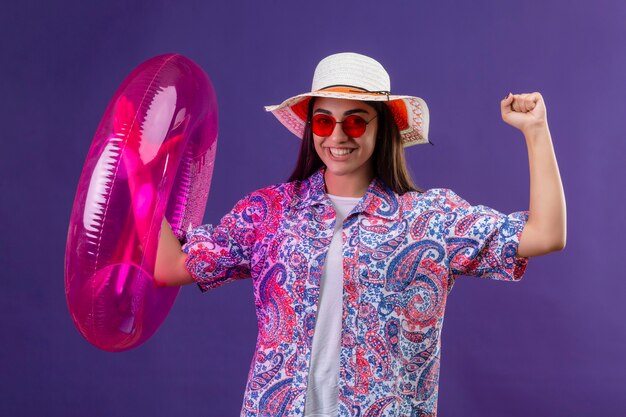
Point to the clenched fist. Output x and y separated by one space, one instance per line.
526 112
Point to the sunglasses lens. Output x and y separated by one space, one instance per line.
354 126
323 125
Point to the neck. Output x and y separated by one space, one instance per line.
347 185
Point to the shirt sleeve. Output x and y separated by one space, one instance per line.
221 253
481 241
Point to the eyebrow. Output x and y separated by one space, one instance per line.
346 113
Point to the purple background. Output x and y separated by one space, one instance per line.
552 345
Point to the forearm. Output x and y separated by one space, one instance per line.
546 226
170 263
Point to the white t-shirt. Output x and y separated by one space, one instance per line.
323 390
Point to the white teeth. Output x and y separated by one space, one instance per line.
340 151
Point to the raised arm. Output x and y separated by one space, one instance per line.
170 262
546 229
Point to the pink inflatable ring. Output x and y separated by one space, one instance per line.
152 156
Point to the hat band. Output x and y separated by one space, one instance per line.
346 88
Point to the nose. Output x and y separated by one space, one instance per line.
338 134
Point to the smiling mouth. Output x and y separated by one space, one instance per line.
340 151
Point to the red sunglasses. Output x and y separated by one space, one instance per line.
353 126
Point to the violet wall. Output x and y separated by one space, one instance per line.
551 345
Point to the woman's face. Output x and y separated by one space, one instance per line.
342 154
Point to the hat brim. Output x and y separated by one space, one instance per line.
410 113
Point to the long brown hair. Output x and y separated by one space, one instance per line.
388 157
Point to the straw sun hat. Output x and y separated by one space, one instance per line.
356 77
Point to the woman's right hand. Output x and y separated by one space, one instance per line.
169 269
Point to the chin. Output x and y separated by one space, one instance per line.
342 171
339 171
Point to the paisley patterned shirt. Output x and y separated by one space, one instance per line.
399 264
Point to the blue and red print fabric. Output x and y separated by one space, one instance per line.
401 255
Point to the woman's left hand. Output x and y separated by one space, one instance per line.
546 228
526 112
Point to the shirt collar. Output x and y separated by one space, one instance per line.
379 200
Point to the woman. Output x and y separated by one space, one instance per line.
351 265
